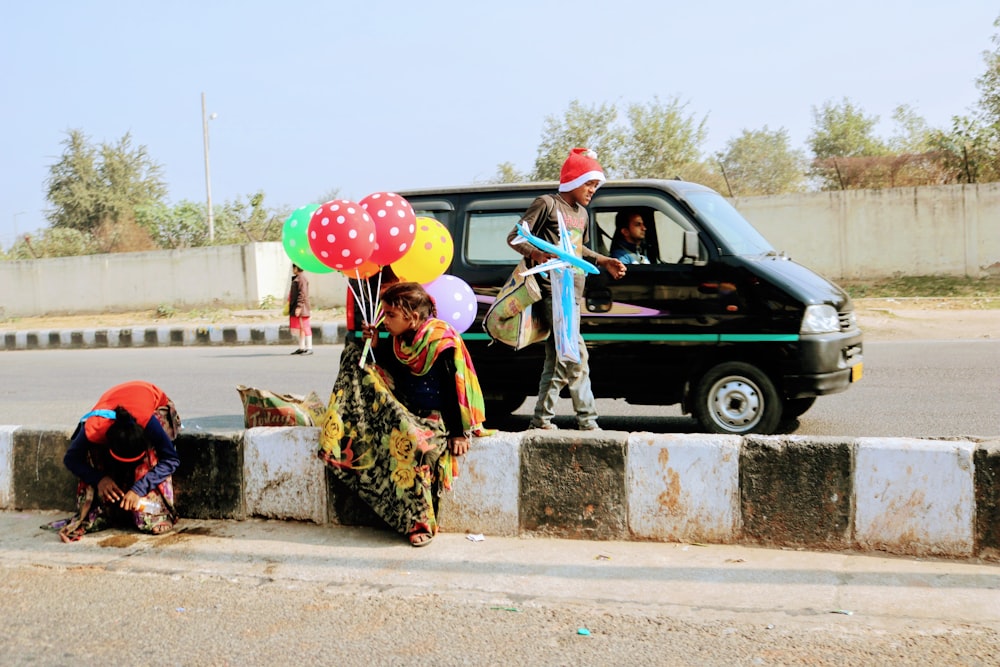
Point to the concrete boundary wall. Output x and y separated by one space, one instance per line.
931 230
942 230
236 276
896 495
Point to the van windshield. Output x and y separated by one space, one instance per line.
726 223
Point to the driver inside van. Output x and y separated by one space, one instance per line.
629 242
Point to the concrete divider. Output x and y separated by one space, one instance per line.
897 495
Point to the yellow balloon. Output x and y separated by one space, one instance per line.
429 256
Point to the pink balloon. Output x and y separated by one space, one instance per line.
395 226
341 234
455 301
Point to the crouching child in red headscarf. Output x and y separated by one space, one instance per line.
123 453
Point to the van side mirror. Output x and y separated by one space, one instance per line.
692 248
598 300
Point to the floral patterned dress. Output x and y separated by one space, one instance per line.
394 460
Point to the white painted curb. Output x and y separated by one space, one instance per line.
915 496
283 477
683 487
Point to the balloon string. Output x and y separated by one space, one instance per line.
366 292
371 304
355 295
367 350
377 304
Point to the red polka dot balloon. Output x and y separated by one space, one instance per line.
341 234
395 226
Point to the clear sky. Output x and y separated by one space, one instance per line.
314 96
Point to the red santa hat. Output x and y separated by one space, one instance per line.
581 166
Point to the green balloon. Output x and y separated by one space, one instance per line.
295 239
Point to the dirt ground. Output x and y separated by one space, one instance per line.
880 319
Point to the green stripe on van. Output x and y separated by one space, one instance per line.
759 338
700 338
682 338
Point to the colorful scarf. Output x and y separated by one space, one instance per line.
432 338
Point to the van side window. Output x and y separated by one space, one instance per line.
486 240
669 239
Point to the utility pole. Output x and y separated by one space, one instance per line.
208 174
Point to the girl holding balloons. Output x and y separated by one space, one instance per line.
431 373
395 429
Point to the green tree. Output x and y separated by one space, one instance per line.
508 173
967 150
96 190
842 140
662 141
53 242
913 135
843 130
762 162
247 220
174 227
329 195
591 127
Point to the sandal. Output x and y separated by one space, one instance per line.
162 528
420 538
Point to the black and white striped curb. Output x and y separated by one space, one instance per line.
908 496
166 336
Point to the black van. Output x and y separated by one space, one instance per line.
719 321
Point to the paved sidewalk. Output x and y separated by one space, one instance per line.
683 580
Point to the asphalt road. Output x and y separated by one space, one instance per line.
910 389
293 593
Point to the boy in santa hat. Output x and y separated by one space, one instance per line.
579 179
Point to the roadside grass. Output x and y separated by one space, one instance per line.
981 293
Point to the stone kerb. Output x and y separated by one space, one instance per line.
915 496
485 496
284 479
7 466
683 487
328 333
797 491
905 496
986 461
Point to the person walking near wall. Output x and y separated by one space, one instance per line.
299 311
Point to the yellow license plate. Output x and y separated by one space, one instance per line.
857 371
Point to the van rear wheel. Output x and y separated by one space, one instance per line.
738 398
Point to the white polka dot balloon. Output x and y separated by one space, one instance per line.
395 226
455 301
341 234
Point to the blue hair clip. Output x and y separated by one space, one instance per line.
107 414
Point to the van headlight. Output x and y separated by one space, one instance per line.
820 319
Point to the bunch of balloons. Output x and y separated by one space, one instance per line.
360 238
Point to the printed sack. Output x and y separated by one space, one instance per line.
511 319
267 408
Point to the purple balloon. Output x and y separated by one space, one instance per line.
455 301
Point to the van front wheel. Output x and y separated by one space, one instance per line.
736 398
